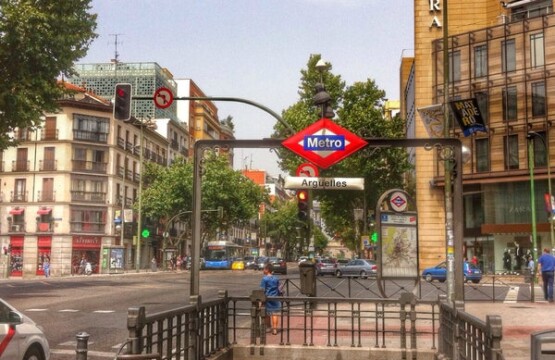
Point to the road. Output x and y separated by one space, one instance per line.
98 305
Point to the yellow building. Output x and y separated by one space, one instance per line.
501 54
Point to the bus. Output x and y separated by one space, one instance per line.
220 254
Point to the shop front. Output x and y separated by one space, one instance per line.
44 245
85 249
16 256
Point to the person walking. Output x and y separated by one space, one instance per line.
46 266
270 284
546 264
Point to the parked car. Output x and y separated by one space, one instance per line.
279 266
250 262
439 272
325 267
359 267
27 343
261 262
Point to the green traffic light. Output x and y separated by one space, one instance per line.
374 237
145 233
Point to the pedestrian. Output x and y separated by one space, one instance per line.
546 266
270 284
46 266
474 260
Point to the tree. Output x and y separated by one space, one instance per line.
169 191
358 108
281 226
39 41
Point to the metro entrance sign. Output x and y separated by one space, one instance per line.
324 143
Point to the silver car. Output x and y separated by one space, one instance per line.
358 267
22 338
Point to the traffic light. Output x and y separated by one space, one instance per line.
145 233
302 205
122 102
374 237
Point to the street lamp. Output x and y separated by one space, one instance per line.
358 214
533 206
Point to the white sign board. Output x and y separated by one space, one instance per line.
319 183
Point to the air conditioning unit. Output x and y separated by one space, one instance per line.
16 228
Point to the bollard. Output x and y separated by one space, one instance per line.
82 346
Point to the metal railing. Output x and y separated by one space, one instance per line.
406 325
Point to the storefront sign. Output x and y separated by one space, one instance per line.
86 241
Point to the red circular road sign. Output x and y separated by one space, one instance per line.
307 170
163 98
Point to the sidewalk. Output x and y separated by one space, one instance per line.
519 321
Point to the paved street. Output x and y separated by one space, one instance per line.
98 304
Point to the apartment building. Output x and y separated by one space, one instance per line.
65 187
501 54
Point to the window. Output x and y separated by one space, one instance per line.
508 55
482 99
482 155
538 99
510 150
90 128
480 61
84 220
454 66
19 190
509 104
536 50
540 151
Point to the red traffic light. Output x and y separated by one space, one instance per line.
302 195
122 102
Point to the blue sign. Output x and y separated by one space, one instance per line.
324 142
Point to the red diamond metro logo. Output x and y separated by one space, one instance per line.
324 143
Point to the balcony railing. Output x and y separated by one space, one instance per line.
49 134
90 166
16 227
20 165
45 227
18 196
46 195
48 165
90 136
98 197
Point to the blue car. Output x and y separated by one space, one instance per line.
439 273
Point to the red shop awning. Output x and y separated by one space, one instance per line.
44 211
17 211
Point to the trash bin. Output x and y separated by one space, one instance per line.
537 339
307 271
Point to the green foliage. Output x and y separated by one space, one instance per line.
358 108
169 191
39 41
281 225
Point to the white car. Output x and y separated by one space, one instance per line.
20 337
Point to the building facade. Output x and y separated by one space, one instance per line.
501 54
68 184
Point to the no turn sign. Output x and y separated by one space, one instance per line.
163 98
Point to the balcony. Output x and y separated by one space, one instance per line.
48 165
18 196
88 196
43 196
45 227
23 134
20 165
174 145
90 136
90 166
49 134
16 227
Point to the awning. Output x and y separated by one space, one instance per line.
44 211
17 211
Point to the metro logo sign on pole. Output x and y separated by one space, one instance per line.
324 143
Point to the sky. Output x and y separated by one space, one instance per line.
255 49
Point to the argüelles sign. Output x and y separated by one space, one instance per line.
292 182
324 143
